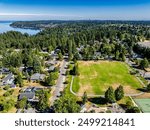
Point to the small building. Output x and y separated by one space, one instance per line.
37 77
8 80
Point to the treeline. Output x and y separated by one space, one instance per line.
81 39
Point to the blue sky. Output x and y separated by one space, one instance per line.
75 9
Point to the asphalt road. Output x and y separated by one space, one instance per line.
60 82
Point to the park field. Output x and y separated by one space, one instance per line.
96 77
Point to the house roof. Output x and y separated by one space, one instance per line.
147 75
8 77
4 70
37 76
27 95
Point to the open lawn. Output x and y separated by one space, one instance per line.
96 77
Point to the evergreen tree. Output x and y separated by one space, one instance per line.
22 103
75 70
66 104
84 98
144 63
43 104
109 95
119 93
60 56
19 80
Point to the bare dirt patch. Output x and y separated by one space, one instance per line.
31 84
85 88
127 89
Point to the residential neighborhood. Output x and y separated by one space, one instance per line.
79 69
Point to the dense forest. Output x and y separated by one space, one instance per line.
80 40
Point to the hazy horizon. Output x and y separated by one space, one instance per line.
74 10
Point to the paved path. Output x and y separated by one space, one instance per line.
60 82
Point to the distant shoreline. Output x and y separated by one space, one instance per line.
42 24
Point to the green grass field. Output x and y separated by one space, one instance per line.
96 77
144 104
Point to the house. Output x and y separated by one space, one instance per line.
4 71
29 93
29 96
37 77
147 76
8 80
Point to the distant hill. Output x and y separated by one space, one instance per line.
53 23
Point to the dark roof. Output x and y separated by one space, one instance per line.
27 95
4 70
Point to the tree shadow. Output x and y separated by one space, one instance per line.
124 106
142 89
80 103
98 100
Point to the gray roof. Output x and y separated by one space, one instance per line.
147 75
51 68
37 76
27 95
8 77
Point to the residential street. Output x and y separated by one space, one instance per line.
60 82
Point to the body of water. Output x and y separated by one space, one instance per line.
5 26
